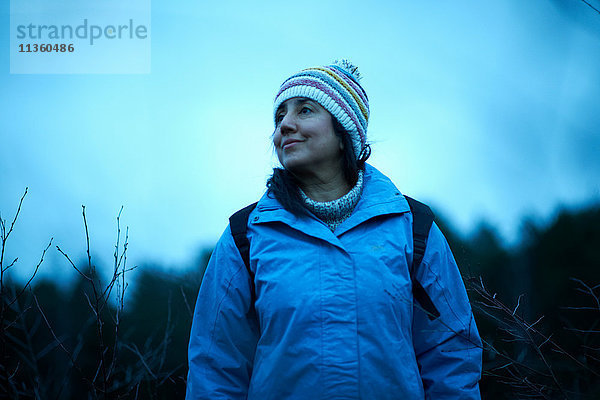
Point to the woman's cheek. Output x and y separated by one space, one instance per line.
277 138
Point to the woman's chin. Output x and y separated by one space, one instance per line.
294 164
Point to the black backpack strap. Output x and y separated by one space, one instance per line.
422 221
238 223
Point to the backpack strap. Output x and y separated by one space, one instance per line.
422 221
238 223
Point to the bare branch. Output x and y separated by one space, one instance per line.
37 267
535 323
58 341
133 348
591 6
4 239
73 265
519 330
185 300
583 330
87 238
11 264
518 303
6 235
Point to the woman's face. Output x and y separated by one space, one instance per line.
304 138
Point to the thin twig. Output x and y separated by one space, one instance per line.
185 300
58 341
11 264
133 348
591 6
73 264
37 267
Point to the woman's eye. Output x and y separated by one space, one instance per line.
305 110
278 118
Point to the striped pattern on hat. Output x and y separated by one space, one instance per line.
336 88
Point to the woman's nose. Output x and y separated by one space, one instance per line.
287 125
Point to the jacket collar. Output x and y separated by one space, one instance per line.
379 197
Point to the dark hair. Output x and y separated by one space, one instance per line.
284 185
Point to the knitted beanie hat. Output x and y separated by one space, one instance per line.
335 87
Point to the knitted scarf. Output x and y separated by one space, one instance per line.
334 212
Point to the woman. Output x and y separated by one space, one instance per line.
327 310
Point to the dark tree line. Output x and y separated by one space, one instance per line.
537 307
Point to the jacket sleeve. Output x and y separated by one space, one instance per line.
448 349
224 330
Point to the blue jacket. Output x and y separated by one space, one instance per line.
333 314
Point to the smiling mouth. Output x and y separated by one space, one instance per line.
290 144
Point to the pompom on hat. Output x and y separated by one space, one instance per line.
336 88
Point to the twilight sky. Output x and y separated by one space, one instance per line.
485 110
